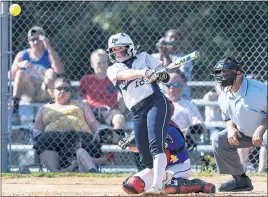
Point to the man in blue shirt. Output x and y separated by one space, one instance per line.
34 71
243 103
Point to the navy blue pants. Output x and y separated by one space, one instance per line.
150 126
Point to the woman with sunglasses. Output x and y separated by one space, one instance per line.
57 128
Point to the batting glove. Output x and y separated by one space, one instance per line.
150 76
163 77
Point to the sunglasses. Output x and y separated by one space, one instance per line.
174 85
34 39
65 89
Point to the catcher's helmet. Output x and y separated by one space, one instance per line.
226 79
121 39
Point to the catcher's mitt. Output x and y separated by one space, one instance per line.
128 141
105 136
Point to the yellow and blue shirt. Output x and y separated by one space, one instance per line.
64 117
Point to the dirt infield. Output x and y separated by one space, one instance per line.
92 186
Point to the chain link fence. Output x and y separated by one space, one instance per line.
76 29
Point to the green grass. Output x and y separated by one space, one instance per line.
58 174
211 174
61 174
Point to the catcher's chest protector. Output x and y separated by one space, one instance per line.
178 129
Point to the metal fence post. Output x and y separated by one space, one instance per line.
3 85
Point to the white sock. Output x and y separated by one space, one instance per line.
160 163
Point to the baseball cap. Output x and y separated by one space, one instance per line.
36 29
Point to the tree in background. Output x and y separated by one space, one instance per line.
214 28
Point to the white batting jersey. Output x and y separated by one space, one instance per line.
136 90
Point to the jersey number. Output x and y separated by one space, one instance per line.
139 83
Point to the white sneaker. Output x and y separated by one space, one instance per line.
169 176
153 190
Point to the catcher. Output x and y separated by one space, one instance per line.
177 171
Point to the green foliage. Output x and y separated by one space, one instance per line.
61 174
214 28
68 174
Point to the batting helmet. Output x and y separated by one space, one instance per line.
121 39
226 79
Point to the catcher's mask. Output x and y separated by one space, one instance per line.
127 48
225 71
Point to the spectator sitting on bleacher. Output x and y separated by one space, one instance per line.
53 140
34 71
186 115
101 94
169 49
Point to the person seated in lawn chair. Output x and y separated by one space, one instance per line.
66 133
100 94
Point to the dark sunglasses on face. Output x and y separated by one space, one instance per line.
34 39
65 89
174 85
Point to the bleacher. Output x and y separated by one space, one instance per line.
27 148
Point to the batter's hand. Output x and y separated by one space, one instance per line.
233 137
163 77
257 136
150 76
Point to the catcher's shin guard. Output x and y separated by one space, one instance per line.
133 185
184 186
